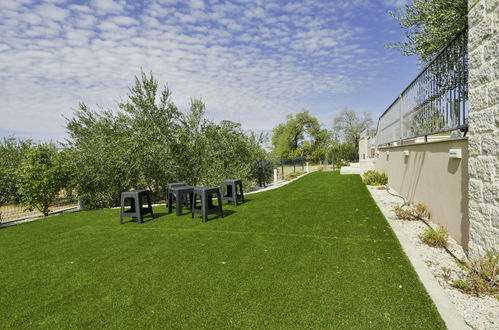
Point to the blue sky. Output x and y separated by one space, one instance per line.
250 61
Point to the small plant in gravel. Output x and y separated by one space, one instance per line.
403 212
374 178
421 211
446 273
411 212
293 175
481 276
435 238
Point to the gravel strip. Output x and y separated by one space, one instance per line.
478 312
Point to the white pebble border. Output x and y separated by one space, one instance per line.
478 312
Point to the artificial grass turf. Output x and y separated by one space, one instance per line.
316 253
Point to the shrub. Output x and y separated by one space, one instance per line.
411 212
435 238
12 152
481 276
373 178
43 173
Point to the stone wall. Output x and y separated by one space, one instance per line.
483 122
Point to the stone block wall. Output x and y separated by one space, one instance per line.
483 121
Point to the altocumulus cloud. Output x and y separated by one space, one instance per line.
250 61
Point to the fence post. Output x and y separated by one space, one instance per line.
307 168
294 165
401 97
275 176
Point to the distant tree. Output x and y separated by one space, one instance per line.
341 154
348 126
43 174
429 25
300 136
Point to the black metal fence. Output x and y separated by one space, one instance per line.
435 102
284 167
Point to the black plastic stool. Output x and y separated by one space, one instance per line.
230 191
180 193
206 196
136 210
174 200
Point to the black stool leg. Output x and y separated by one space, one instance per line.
234 193
122 209
241 189
150 204
204 206
170 201
220 204
138 208
193 204
178 205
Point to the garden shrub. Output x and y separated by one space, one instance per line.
374 178
42 174
12 152
435 238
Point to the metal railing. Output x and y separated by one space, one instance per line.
370 132
436 101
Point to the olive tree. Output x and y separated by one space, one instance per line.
429 25
147 142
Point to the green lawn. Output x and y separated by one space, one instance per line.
316 253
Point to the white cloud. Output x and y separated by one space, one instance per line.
52 12
31 18
395 3
249 61
108 6
123 20
196 4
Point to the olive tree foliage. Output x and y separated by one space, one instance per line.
43 173
148 142
300 136
100 144
348 126
12 151
429 26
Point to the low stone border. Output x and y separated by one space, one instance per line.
459 310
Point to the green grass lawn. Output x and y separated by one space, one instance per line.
316 253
